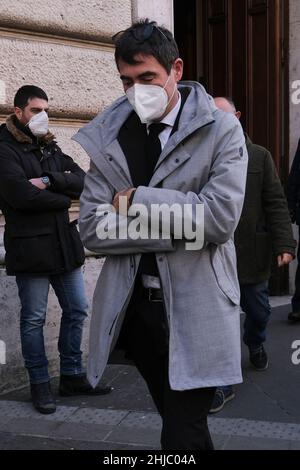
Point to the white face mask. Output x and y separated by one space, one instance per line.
149 101
39 124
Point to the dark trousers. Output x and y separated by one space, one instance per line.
184 413
296 296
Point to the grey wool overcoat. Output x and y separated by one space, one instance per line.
203 163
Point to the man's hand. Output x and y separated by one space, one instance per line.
283 259
116 201
38 183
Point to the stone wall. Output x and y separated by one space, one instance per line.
65 47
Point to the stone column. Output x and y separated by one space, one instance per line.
158 10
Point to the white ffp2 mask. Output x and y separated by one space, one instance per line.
149 101
39 124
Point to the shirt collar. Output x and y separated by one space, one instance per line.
170 118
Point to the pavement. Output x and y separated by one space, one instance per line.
265 415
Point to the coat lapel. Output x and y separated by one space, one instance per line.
165 166
117 166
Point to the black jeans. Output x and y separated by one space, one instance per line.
184 413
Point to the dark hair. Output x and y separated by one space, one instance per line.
27 93
145 37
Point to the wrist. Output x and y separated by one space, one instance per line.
131 197
46 181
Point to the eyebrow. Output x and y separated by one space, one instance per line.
39 109
142 75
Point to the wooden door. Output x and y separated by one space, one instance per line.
236 48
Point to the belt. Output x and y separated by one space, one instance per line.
153 295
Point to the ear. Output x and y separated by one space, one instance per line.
238 114
18 112
178 69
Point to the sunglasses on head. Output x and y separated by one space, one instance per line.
141 33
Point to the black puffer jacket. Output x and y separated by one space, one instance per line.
38 237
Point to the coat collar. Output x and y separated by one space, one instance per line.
102 132
20 136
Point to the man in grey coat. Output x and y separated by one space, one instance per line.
169 297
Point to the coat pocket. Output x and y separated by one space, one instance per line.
224 271
32 252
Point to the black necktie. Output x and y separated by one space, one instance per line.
153 146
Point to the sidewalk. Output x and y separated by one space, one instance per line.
264 415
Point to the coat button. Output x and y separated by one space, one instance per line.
177 160
160 259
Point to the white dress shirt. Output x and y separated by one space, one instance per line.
169 120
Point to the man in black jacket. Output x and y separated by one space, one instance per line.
37 183
293 197
264 228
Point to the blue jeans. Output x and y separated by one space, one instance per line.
33 293
255 304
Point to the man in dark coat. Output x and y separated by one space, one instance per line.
293 197
264 229
37 183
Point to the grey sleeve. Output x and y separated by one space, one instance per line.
105 232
